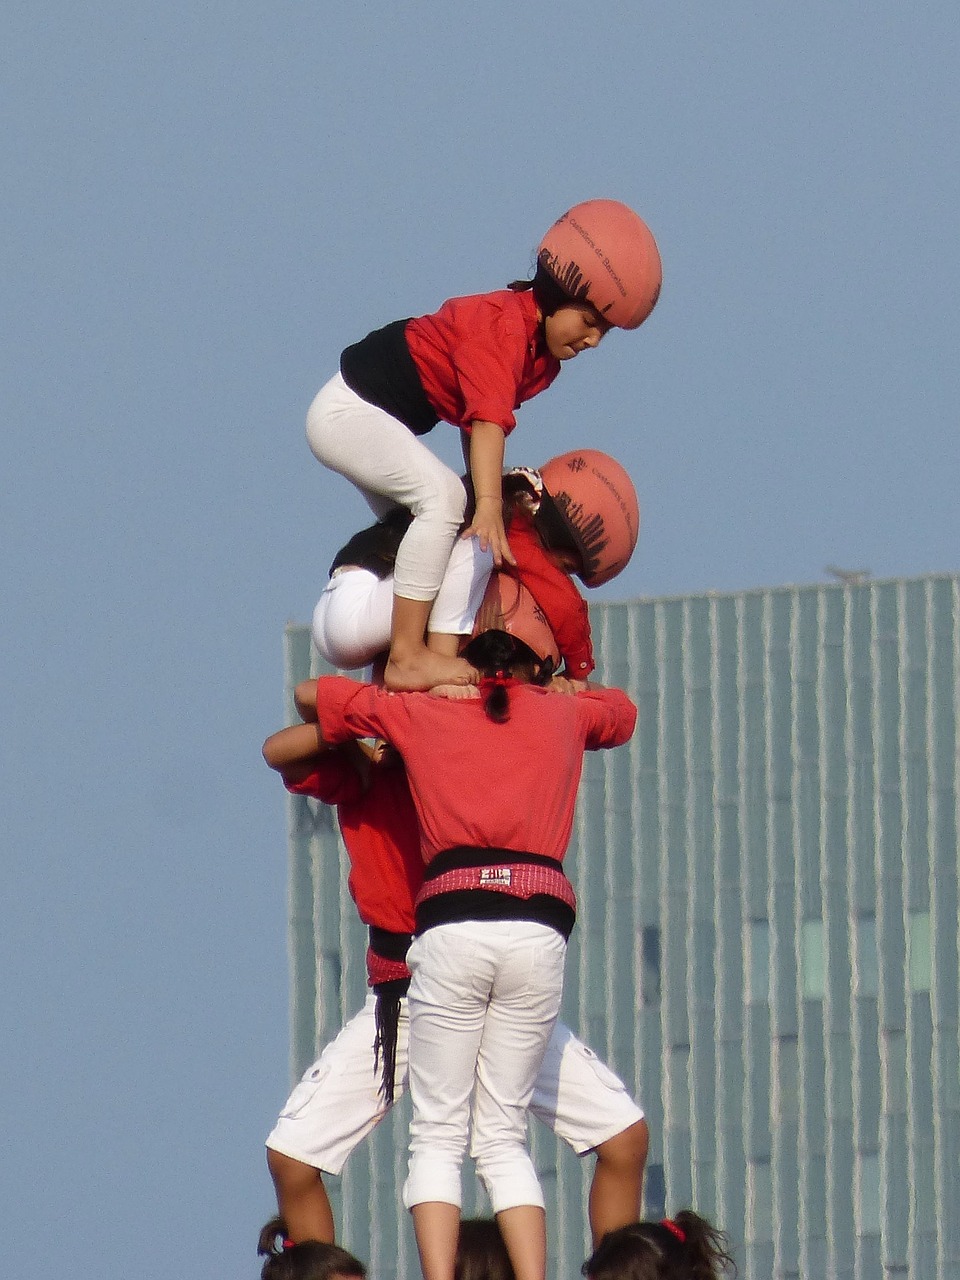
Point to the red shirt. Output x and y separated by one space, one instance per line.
556 594
477 783
481 357
379 827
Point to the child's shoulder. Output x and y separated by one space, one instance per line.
501 306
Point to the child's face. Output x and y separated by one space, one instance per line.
573 328
563 559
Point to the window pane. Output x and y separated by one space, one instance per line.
918 951
758 938
812 960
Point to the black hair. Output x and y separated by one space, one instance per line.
375 548
308 1260
685 1247
548 294
481 1253
499 656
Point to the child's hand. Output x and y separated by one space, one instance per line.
563 684
488 527
455 692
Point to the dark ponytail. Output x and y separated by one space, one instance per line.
547 294
309 1260
501 659
686 1247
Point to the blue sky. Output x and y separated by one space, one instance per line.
202 205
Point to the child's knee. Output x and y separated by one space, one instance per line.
291 1176
446 499
626 1151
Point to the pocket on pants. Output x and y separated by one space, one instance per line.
303 1094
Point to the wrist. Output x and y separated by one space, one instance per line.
489 497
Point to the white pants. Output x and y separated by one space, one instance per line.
337 1101
483 999
389 466
351 623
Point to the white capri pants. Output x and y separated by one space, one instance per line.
483 1000
351 623
388 465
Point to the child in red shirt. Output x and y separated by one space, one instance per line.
494 783
578 514
472 363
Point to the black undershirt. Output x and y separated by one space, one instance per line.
381 370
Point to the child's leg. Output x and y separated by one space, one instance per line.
583 1102
302 1199
452 974
524 1004
524 1231
335 1105
411 664
386 461
618 1180
437 1228
461 593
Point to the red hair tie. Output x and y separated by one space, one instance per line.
674 1229
288 1244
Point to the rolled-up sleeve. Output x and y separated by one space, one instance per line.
609 718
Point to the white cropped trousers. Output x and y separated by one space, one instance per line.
351 622
483 1001
389 465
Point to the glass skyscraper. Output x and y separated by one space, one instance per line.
767 937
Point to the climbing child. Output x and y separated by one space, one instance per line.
472 363
578 514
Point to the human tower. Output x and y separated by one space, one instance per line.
454 773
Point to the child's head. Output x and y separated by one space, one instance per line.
511 640
481 1253
588 505
685 1247
602 253
310 1260
598 268
570 325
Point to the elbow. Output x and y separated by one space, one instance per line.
269 752
305 700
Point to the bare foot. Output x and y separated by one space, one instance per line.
423 670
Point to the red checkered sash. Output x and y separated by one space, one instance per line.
518 879
380 969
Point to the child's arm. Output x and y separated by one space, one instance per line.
486 471
296 745
305 700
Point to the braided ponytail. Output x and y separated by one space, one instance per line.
502 661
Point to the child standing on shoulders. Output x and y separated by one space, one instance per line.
472 363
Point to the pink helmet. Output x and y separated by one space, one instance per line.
596 501
605 253
509 606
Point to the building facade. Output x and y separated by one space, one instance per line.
767 936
